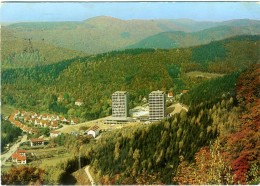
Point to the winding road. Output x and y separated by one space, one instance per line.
7 155
89 176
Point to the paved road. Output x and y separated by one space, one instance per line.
7 155
89 176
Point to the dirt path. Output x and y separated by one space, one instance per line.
89 176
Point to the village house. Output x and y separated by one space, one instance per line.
37 122
79 102
22 113
16 114
60 98
39 116
184 91
26 119
37 142
64 120
54 125
19 157
54 133
170 95
34 115
74 121
94 131
44 117
32 120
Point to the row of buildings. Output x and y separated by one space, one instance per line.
120 106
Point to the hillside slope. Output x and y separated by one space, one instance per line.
93 79
103 34
17 52
168 40
213 143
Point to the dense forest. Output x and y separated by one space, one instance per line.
103 33
9 133
178 39
197 147
215 142
138 71
27 52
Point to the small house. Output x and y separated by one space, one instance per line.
184 91
74 121
19 157
170 95
60 98
54 125
54 133
37 142
79 102
94 131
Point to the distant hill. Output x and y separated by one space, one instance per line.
103 34
17 52
179 39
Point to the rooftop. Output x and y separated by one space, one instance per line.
37 140
120 92
157 92
55 132
94 128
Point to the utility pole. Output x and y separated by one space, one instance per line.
79 161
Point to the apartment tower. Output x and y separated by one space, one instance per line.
120 108
157 105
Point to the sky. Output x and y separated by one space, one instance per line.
78 11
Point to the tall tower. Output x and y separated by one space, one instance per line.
120 108
157 105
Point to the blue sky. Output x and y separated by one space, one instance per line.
69 11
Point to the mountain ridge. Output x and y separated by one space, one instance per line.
103 34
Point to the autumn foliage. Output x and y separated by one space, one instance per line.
234 157
23 175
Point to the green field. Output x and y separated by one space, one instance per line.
7 110
81 177
48 156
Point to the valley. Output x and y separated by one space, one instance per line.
80 98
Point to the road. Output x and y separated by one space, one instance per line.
7 155
89 176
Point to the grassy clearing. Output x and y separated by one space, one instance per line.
51 161
199 74
48 156
7 110
94 175
6 167
81 177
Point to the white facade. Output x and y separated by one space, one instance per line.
120 108
54 134
157 105
93 133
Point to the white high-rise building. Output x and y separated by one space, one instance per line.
120 108
157 105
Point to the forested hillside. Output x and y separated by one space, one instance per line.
27 52
169 40
93 79
136 156
9 133
103 34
